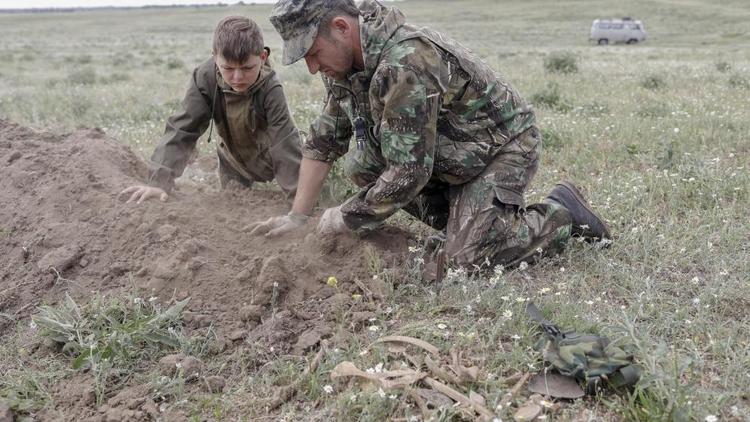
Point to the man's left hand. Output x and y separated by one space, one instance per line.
332 221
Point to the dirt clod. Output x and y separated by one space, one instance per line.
215 384
251 313
168 365
60 259
192 367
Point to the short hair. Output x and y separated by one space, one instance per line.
236 38
344 8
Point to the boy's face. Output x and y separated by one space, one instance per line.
240 76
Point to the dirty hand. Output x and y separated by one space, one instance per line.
276 226
141 193
332 221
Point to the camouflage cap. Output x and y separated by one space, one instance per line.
297 22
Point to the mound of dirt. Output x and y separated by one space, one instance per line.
64 230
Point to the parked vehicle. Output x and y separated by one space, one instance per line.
627 30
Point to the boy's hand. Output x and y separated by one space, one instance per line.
276 226
332 221
140 193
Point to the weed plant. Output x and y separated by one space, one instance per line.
111 336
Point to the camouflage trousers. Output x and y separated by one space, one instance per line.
485 220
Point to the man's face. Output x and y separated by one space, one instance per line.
240 76
332 55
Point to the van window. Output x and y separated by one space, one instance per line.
616 26
603 25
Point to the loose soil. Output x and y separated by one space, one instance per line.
63 229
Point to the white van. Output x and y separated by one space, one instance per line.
627 30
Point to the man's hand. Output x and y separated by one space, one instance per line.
140 193
276 226
332 221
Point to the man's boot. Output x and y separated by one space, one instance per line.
586 223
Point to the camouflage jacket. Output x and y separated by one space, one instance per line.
258 136
433 109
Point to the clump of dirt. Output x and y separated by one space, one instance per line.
63 229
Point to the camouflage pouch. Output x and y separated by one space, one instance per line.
590 359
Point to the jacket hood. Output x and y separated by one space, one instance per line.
378 24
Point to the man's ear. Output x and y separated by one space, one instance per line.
340 24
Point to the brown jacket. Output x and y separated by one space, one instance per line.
258 136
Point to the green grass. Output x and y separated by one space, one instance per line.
656 133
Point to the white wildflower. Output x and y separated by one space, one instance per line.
328 389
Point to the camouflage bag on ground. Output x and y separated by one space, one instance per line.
592 360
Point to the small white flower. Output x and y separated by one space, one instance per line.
442 326
544 290
152 298
506 298
508 314
413 249
178 365
676 130
32 325
328 389
381 393
589 302
515 337
522 266
520 299
696 301
373 328
711 418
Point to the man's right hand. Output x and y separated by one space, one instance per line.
140 193
276 226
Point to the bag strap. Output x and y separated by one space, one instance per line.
549 328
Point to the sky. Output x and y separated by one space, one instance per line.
29 4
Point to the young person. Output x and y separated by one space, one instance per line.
237 95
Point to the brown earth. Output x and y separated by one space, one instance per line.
63 229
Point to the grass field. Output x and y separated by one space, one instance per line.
658 134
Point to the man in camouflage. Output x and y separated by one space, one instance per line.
438 134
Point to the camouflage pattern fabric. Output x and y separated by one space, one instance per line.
437 129
586 357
